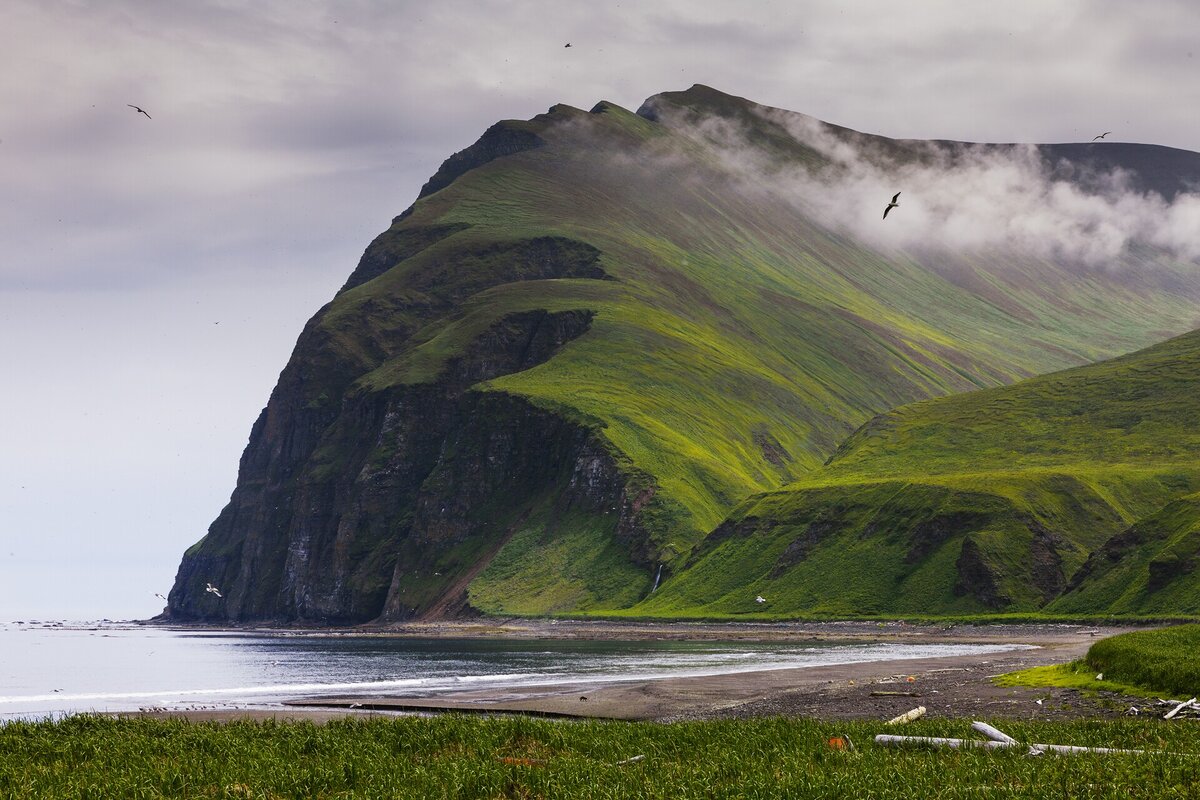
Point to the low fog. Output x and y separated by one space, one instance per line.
957 197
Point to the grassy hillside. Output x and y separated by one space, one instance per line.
732 339
985 501
1151 568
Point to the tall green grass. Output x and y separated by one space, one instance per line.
1162 660
459 757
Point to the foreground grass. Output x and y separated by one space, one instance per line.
475 757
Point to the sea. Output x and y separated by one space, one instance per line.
52 669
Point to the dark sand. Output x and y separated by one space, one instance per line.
955 686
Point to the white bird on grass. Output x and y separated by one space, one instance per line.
760 599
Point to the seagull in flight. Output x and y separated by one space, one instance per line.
156 594
892 204
568 44
213 590
139 110
1101 136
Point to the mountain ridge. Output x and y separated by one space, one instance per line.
732 342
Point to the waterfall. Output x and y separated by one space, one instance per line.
657 578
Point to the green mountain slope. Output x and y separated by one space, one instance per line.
985 501
588 340
1149 569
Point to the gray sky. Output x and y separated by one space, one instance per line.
154 273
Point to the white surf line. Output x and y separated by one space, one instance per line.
456 682
279 688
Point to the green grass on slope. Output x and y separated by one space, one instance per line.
1137 409
458 757
1148 569
560 561
894 547
990 500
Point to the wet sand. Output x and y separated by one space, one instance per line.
953 686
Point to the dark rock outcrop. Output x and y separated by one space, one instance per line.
976 577
502 139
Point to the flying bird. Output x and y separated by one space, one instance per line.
1101 136
213 590
156 594
139 110
892 204
568 44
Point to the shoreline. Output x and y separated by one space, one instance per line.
949 686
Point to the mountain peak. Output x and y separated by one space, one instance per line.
698 98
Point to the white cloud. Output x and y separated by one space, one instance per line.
960 198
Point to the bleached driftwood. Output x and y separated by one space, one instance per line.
1180 707
994 734
907 716
934 741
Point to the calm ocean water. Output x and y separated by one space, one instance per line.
51 670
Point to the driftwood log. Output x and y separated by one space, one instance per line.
1180 707
907 716
963 744
995 734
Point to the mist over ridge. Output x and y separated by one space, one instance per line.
962 197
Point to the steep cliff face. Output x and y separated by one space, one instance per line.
380 509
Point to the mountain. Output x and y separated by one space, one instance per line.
985 501
596 333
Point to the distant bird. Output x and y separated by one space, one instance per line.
892 204
760 599
139 110
213 590
1101 136
568 44
156 594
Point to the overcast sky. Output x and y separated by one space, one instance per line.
154 273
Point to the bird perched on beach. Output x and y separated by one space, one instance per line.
1101 136
892 204
212 590
139 110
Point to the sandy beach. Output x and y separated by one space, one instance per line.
954 686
